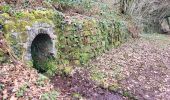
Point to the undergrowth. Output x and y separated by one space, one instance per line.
49 95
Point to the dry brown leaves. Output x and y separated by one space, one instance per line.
14 77
144 67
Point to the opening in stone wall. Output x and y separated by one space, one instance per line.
41 52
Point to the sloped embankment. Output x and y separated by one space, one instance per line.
20 82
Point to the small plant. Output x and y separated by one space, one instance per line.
66 71
114 87
6 8
1 87
128 95
18 14
97 76
41 80
21 91
84 57
51 68
76 96
47 66
29 63
50 95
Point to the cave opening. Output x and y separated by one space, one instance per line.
41 52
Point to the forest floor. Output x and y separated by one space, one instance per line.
139 68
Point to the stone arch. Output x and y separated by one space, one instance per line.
39 30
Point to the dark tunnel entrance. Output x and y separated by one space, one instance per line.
41 48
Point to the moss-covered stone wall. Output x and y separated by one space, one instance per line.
83 39
77 38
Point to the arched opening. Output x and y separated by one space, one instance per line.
41 52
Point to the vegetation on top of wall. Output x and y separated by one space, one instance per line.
91 8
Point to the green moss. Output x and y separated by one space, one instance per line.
67 70
86 33
27 16
41 80
129 95
18 14
84 58
52 95
87 38
49 66
113 87
97 76
21 90
76 96
24 37
5 16
43 14
10 26
29 63
5 8
22 24
1 55
43 20
77 62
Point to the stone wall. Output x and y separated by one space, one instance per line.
75 39
83 39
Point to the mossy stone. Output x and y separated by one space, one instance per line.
24 37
